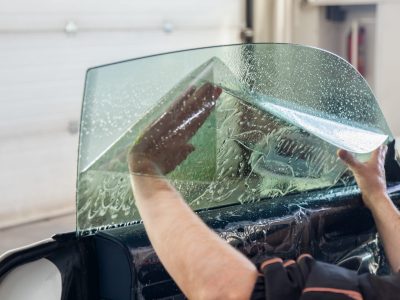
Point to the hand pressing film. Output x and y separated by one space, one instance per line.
164 144
370 175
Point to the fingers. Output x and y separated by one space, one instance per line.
167 121
378 156
168 136
188 113
186 150
384 152
380 153
216 93
200 100
181 101
348 159
202 109
191 106
176 157
196 111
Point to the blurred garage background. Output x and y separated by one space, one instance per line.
46 47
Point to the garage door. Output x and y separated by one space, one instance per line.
45 48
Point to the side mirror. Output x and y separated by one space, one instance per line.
35 280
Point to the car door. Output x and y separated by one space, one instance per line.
60 267
264 174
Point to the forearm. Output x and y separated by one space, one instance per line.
387 220
203 265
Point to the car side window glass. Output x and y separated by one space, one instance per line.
283 112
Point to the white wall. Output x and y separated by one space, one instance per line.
382 19
383 47
388 62
42 71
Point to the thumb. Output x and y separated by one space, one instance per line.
348 158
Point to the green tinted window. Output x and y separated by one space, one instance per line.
283 112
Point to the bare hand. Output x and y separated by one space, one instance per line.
164 144
370 176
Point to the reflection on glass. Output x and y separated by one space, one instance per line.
283 112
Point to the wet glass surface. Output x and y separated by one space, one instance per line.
283 112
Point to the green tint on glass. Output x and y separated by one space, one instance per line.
283 112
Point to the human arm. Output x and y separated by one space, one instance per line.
203 265
370 177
